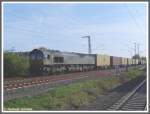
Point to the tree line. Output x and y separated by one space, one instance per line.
15 64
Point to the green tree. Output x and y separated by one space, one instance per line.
136 56
15 65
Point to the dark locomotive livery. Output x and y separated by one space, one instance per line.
44 61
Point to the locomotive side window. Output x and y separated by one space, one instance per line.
48 56
58 59
61 59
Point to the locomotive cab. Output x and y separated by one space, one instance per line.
36 62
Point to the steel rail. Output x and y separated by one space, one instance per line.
124 99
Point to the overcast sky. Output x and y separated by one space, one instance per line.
113 27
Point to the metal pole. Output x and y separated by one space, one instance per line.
89 43
139 50
135 48
89 40
135 52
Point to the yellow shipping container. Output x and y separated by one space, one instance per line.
137 61
133 61
143 61
102 60
129 61
124 61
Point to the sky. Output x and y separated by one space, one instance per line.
113 27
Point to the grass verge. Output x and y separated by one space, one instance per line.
71 96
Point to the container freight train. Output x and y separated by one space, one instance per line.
44 61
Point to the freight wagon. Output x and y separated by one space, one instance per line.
115 61
129 62
133 61
137 62
102 61
141 61
124 61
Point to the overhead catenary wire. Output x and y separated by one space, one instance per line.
137 24
134 19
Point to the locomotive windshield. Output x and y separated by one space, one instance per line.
36 55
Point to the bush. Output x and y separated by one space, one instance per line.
131 74
15 65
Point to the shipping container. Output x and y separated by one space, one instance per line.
137 61
124 61
115 61
133 61
130 61
102 60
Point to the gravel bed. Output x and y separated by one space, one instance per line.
103 102
19 78
38 89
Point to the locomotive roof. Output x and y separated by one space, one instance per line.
45 50
49 50
76 53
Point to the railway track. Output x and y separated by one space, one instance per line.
11 80
39 82
28 82
24 83
35 85
133 101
